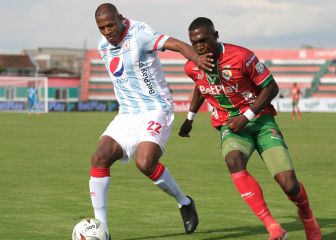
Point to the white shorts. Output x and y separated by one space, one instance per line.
131 129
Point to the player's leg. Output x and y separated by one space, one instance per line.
156 129
293 109
36 105
107 152
113 145
298 110
30 105
277 159
147 161
236 149
285 176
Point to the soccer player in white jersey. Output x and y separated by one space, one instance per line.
145 117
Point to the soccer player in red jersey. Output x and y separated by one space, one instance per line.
295 93
240 89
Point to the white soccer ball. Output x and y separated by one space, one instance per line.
90 229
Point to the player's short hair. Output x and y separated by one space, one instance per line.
200 21
105 7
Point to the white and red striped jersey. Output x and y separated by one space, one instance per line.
135 69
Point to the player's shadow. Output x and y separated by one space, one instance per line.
245 231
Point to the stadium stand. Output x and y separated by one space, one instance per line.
327 86
314 70
304 72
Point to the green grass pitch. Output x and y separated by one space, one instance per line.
44 175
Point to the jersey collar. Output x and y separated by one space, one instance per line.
222 48
126 22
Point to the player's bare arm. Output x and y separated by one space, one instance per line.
196 103
267 94
203 61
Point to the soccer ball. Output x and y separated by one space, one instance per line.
90 229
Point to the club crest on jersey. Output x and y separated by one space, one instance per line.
103 52
126 44
116 66
227 74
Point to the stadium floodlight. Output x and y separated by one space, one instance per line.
14 93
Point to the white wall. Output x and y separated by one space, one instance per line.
306 104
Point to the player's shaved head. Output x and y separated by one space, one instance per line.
199 22
106 8
204 37
110 22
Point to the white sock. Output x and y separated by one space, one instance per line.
98 192
168 184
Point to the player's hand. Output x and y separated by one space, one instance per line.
186 128
237 123
205 62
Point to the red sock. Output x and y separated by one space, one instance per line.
301 201
100 172
157 172
251 192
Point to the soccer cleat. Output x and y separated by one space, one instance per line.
277 232
312 229
189 216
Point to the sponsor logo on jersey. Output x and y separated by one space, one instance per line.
218 89
145 77
200 75
120 81
260 67
251 58
116 67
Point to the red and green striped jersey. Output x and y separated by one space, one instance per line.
233 85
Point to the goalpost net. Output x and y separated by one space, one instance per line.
23 94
